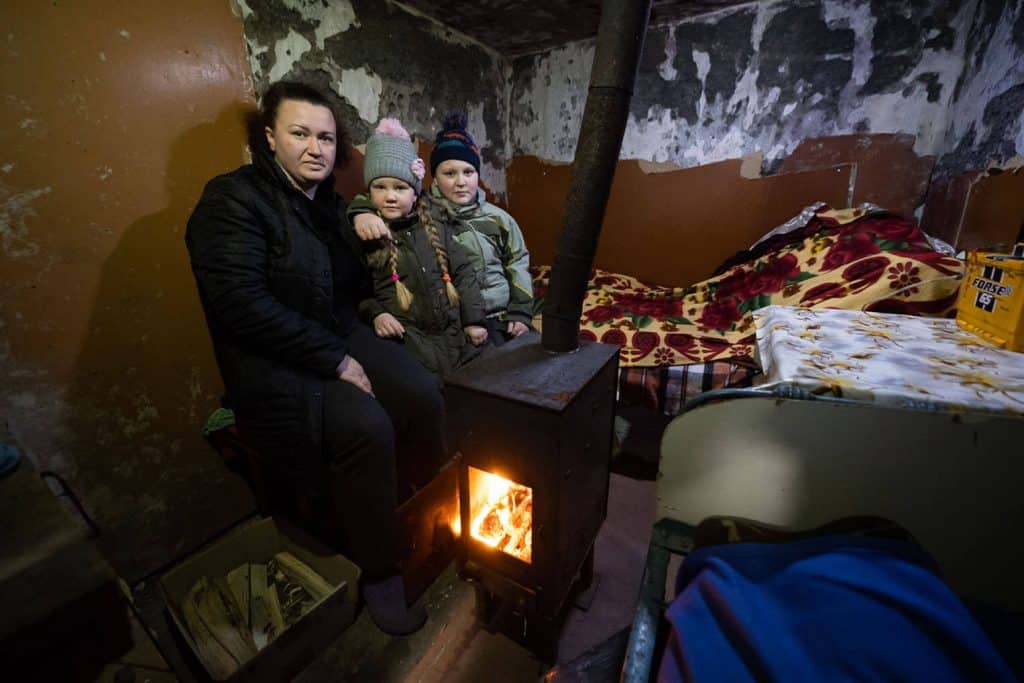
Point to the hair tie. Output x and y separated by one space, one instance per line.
446 277
394 277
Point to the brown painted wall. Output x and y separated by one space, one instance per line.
994 215
977 210
889 172
674 227
112 117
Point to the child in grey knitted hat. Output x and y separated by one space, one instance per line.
391 153
426 293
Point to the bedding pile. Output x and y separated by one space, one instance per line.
859 259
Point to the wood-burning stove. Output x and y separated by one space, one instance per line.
534 435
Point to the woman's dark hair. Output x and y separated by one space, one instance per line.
290 90
302 92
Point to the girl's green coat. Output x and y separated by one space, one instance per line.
433 327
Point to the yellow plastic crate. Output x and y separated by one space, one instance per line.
991 303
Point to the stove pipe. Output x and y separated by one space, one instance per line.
620 40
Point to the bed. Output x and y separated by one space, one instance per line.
903 417
678 342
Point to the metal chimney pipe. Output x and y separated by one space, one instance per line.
620 39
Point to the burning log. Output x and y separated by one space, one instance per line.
506 521
521 524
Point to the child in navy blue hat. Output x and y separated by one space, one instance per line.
490 235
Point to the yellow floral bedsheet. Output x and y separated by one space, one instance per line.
897 360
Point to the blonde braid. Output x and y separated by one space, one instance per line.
404 295
435 241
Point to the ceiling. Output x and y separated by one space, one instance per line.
518 27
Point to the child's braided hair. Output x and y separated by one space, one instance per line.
434 237
404 295
423 209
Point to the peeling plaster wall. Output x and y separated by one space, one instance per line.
382 59
112 117
761 77
987 117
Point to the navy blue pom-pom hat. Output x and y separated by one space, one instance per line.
454 142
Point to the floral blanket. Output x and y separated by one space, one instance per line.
852 259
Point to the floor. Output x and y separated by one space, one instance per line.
454 647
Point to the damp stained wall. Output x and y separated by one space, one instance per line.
112 117
986 122
384 59
762 77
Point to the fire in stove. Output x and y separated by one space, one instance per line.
502 514
534 433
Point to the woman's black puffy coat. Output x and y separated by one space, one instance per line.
279 277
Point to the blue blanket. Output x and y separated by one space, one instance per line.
835 608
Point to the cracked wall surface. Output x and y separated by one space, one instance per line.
380 59
761 78
986 122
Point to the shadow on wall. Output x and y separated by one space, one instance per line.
145 380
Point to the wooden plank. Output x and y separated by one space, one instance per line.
944 207
994 215
889 171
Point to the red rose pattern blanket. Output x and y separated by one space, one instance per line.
848 259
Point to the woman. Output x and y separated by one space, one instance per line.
279 276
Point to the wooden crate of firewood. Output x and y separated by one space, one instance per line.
261 602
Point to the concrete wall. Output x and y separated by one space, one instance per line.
762 77
112 117
383 59
986 121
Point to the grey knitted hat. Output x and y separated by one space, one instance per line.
390 153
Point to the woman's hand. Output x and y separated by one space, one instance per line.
349 370
370 226
516 328
387 325
476 334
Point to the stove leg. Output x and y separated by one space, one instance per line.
492 610
586 577
541 637
585 588
498 614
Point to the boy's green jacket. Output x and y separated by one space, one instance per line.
495 245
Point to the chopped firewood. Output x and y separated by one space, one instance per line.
301 573
223 640
293 599
274 610
263 628
238 582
